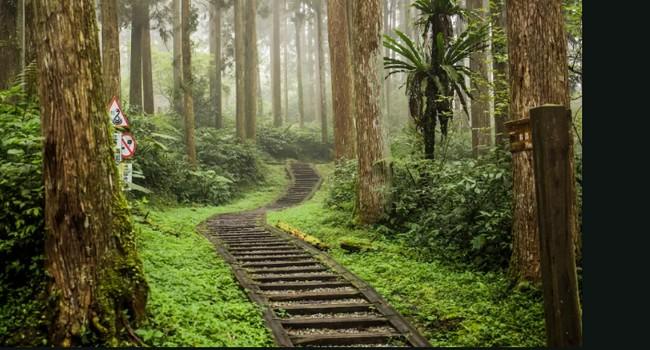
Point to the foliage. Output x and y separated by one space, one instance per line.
219 149
194 299
226 166
434 68
22 277
457 209
290 142
450 305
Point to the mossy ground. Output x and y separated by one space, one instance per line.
194 299
451 306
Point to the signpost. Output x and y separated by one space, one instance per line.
124 142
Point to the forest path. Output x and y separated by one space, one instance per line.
308 298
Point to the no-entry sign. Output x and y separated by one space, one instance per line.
128 145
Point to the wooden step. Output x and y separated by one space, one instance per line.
305 285
315 296
307 309
335 322
345 339
281 263
297 277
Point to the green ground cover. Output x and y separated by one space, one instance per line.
194 298
450 305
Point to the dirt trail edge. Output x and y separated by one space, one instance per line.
308 298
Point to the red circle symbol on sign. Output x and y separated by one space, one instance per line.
128 145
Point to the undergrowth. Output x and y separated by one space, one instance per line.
194 299
451 305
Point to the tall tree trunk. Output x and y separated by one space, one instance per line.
276 76
177 62
321 70
342 80
251 72
135 90
215 67
90 246
188 100
285 55
9 44
480 113
374 172
310 63
110 49
147 74
260 98
387 53
240 114
500 69
537 51
301 105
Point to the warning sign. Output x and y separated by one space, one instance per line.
117 114
128 145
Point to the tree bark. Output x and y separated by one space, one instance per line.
480 112
537 51
147 74
177 62
250 73
90 246
110 49
239 69
321 70
299 20
286 60
342 79
276 76
9 44
500 69
188 99
135 90
215 68
312 104
374 172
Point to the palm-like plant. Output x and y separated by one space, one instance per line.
434 68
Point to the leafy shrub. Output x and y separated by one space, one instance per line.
456 210
459 210
21 222
291 142
342 186
220 150
224 164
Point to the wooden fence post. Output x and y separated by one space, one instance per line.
551 127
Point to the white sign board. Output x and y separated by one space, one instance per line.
117 146
127 176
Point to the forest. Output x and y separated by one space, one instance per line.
259 173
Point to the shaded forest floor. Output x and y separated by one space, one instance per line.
195 299
451 306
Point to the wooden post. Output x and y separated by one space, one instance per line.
553 186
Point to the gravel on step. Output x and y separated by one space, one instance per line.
315 290
314 331
334 315
279 304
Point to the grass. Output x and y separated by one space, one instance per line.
194 299
449 305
